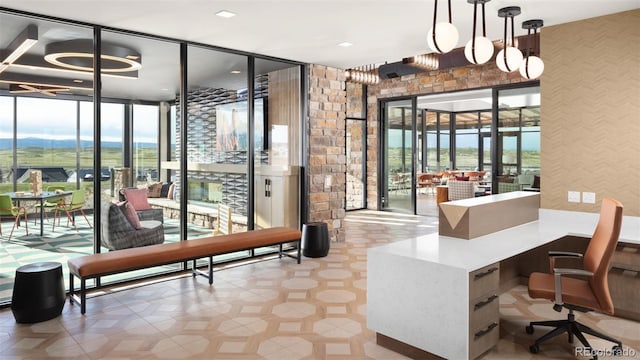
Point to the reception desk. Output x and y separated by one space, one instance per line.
439 294
474 217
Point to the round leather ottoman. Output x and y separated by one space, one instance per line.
38 292
315 239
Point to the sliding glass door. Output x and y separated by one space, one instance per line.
397 156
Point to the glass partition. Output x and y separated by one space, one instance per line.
217 143
134 90
277 142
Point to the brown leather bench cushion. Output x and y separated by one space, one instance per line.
135 258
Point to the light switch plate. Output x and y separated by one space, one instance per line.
573 196
589 197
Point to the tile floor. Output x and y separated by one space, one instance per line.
272 309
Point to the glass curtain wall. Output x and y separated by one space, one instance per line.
454 131
6 143
145 149
229 134
41 112
518 145
436 147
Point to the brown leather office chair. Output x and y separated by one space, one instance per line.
576 294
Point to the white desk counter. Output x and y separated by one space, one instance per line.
422 291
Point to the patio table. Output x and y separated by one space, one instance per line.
41 197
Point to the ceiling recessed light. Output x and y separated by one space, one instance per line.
235 71
78 81
345 44
225 14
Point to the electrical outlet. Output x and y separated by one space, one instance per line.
573 196
589 197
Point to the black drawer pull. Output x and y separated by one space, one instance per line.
484 332
483 303
483 274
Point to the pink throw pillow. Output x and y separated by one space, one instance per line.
137 198
131 215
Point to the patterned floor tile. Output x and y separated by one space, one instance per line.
271 309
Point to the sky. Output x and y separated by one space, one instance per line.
56 119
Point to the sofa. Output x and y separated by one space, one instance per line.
119 233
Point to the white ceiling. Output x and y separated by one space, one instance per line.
309 30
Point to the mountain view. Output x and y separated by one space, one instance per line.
62 144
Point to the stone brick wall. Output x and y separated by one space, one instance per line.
326 139
429 82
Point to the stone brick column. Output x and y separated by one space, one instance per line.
326 139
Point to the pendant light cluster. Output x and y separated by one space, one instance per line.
443 37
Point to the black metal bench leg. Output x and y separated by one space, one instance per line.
83 296
71 292
194 270
210 270
299 250
280 253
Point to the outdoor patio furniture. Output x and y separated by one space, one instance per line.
50 203
118 232
76 204
7 208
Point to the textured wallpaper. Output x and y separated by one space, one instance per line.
591 112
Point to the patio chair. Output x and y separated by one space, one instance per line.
50 203
7 208
76 204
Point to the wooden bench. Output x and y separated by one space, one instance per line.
114 262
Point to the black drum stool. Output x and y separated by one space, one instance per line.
38 292
315 239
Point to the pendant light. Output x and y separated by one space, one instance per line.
442 37
479 49
510 57
532 66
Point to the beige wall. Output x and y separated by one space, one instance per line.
591 112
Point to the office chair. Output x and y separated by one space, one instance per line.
576 294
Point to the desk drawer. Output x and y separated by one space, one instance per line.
484 318
484 281
483 311
483 339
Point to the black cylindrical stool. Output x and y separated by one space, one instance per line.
315 239
38 292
